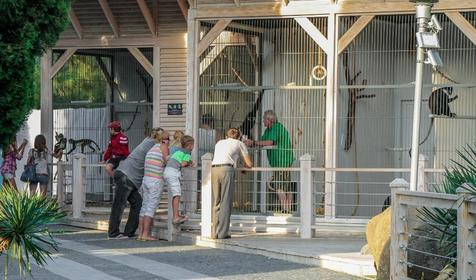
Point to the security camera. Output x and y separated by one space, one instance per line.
435 24
434 58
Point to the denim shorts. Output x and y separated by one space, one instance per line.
42 179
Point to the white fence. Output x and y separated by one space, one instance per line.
403 200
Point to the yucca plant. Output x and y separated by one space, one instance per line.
24 232
445 221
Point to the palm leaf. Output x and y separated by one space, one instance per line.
461 174
24 230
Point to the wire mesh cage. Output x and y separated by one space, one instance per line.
95 87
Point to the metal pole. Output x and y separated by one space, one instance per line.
423 14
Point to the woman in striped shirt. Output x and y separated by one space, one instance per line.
152 184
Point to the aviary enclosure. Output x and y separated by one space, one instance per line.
256 65
95 87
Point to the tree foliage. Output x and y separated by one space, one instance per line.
28 28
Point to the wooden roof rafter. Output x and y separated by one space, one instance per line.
149 19
184 6
76 24
212 35
110 17
463 24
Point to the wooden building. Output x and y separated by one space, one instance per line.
338 74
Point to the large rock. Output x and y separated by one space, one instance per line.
378 237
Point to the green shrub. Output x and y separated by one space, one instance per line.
445 221
24 230
28 29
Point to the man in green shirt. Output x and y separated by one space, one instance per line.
280 155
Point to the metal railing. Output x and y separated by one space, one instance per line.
406 228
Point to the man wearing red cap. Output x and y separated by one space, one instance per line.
118 148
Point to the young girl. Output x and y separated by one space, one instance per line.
152 184
172 174
9 165
39 156
176 143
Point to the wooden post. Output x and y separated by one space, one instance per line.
466 237
171 230
399 232
79 196
192 81
156 88
46 98
331 118
422 185
60 184
306 197
207 195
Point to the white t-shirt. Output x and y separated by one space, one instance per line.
228 151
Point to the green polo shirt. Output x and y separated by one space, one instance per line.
282 155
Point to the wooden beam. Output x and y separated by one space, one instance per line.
208 60
75 22
237 3
177 41
46 97
303 8
463 24
110 17
156 88
144 61
313 32
147 16
353 32
183 7
212 35
61 61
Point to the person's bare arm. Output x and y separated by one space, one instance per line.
165 151
263 143
247 161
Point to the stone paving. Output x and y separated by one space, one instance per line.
88 254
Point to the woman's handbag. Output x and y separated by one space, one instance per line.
29 173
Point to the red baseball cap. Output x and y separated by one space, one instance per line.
114 124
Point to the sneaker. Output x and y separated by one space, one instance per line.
119 236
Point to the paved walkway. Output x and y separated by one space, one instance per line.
339 254
87 254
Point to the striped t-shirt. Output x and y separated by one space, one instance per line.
154 163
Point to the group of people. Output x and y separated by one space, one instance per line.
140 177
228 151
38 155
156 162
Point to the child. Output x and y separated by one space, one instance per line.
118 148
176 143
152 184
39 155
172 174
9 165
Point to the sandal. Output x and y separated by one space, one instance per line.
180 220
150 238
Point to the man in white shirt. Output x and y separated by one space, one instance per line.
226 155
